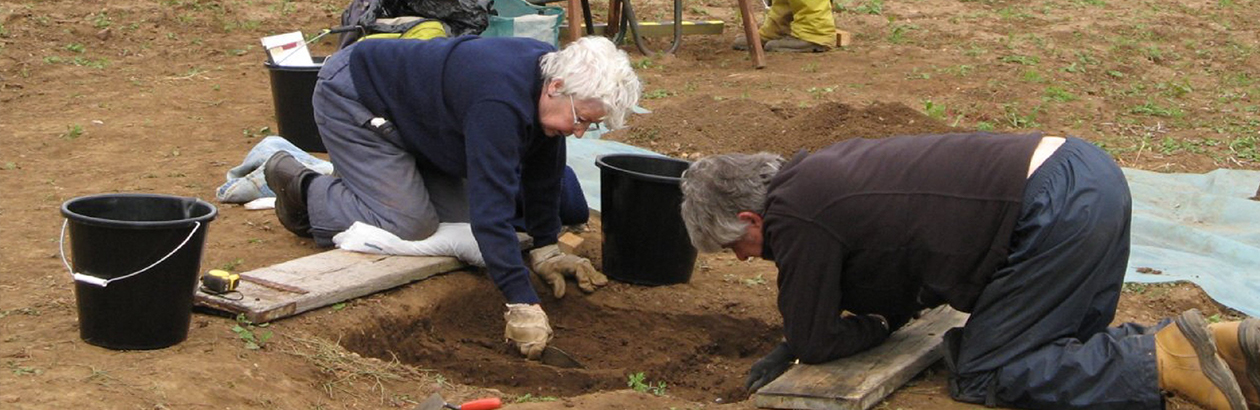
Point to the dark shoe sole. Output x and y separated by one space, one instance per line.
1249 341
296 221
1194 327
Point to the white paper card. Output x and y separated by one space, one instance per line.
288 50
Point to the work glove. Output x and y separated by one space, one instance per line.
527 328
769 368
553 266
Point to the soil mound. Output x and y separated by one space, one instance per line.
706 125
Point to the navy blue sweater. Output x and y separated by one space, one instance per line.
468 107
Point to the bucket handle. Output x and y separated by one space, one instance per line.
92 280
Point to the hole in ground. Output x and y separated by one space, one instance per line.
699 357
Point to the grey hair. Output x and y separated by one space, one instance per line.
717 188
592 67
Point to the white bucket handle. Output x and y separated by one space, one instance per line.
89 279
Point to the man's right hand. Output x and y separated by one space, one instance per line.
527 328
769 368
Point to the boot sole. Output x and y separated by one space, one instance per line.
301 227
1194 327
1249 341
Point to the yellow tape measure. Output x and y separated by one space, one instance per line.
220 281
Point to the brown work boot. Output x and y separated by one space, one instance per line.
1239 344
791 44
1190 367
741 43
287 177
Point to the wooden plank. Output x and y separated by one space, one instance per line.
843 38
860 382
750 32
575 15
329 277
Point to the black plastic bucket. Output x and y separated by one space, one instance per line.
136 259
645 241
291 91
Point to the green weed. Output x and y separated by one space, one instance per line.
875 7
1175 89
818 92
638 383
974 50
1088 3
1033 76
73 132
962 70
1156 110
1053 93
1015 119
530 398
23 370
101 21
934 110
99 63
899 32
232 265
1008 13
985 126
1245 147
76 47
657 93
252 133
1020 59
249 332
644 64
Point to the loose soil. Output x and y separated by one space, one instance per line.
165 97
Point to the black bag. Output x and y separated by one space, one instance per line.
460 17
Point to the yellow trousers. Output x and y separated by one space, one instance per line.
808 20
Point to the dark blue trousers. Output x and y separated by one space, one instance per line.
1038 336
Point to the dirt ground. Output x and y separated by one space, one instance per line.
165 96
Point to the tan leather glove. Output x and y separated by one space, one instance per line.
553 266
527 328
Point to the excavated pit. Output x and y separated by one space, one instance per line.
700 357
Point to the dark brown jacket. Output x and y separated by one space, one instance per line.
889 226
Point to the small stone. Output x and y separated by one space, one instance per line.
103 34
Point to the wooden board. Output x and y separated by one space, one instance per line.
322 279
860 382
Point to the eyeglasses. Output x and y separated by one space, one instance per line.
573 105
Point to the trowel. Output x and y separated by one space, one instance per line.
553 356
435 402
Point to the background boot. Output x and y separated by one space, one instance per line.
791 44
288 178
1190 367
1239 345
741 43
